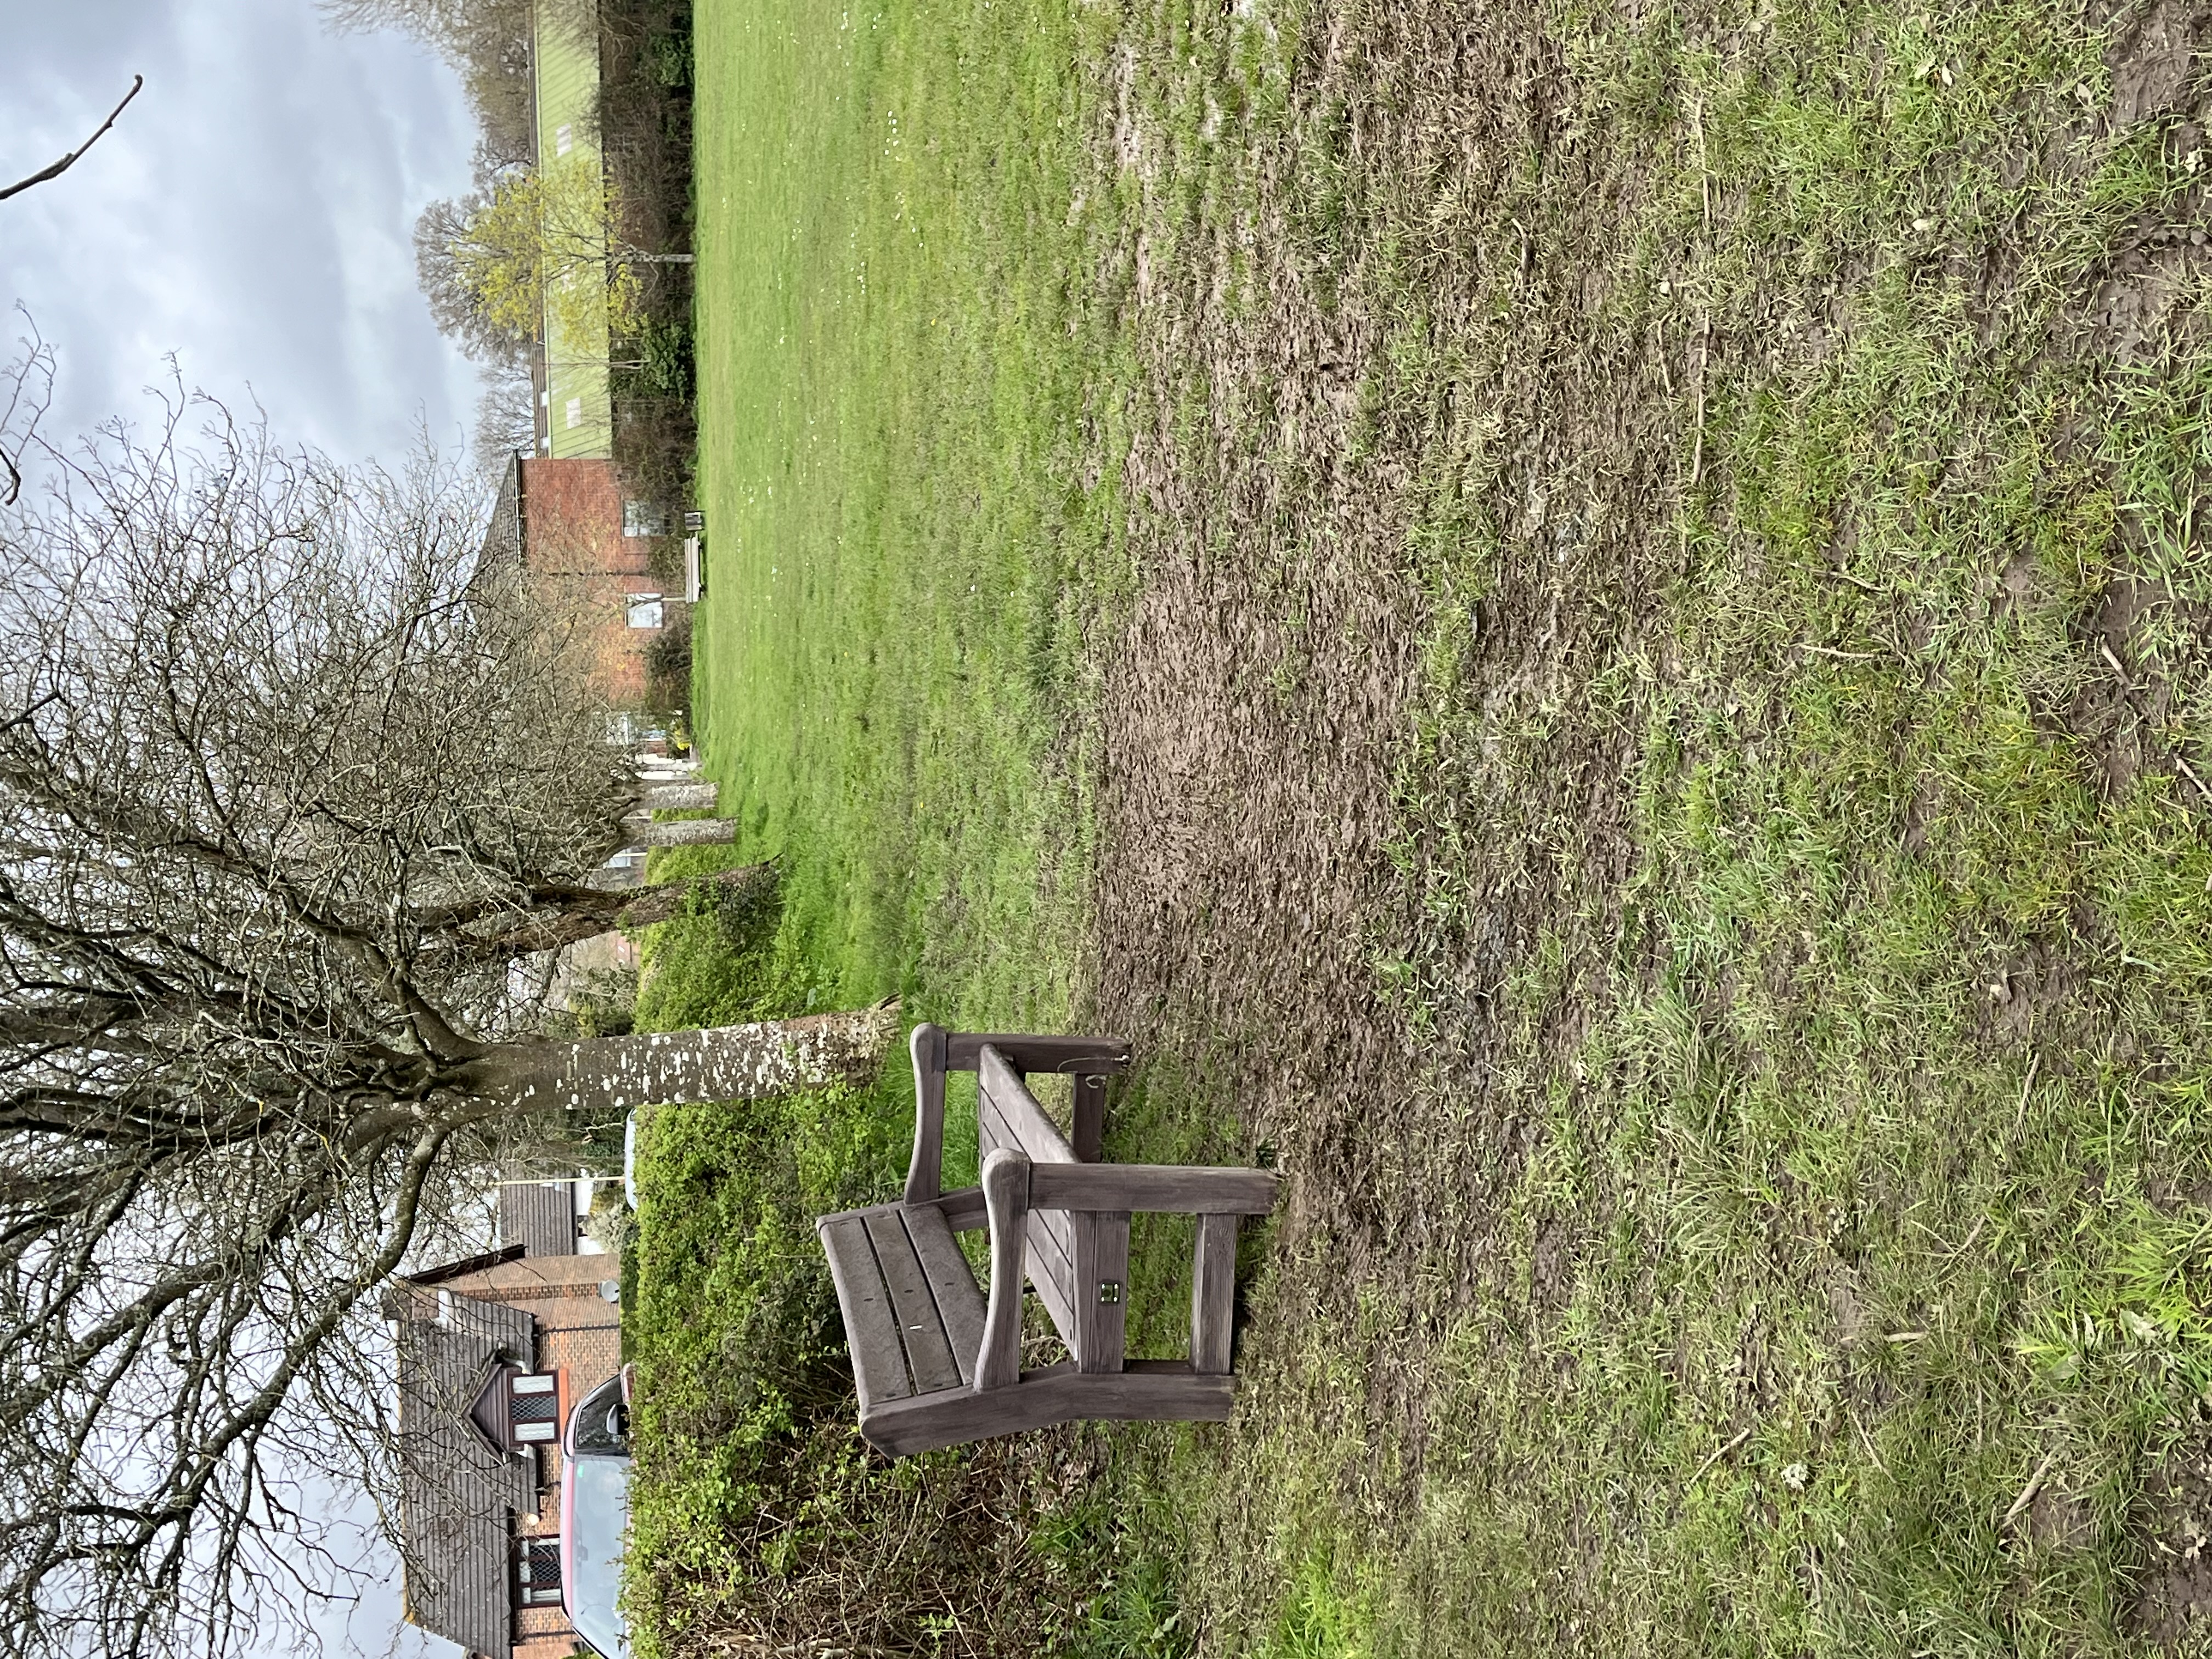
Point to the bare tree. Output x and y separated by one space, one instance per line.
505 420
14 485
288 779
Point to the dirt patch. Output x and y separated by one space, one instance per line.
2057 1519
2175 1597
1551 1264
1368 826
2151 62
2134 313
2027 993
2117 710
1259 892
2020 586
1250 715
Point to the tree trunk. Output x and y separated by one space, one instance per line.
669 898
720 1062
691 832
680 797
608 909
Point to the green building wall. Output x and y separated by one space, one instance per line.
580 414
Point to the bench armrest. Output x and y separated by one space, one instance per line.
1006 1202
1083 1055
1153 1188
925 1172
962 1209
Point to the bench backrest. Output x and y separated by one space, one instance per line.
1072 1254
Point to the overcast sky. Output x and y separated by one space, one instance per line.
251 213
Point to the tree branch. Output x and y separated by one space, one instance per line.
67 162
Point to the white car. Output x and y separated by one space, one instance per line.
595 1514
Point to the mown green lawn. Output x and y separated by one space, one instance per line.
1784 431
905 369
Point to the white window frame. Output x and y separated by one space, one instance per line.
533 1385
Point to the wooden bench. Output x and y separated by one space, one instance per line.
937 1362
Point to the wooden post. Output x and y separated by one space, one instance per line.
1100 1290
1089 1120
1213 1294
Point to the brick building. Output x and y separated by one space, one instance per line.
493 1351
588 550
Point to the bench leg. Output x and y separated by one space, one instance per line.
1089 1141
1006 1195
1213 1294
1102 1245
1101 1283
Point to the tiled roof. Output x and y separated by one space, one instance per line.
538 1215
503 542
457 1496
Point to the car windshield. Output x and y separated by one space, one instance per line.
599 1512
600 1426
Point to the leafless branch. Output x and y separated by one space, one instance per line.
291 778
69 160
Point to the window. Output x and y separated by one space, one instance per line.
533 1402
645 610
538 1569
564 138
602 1428
643 518
576 411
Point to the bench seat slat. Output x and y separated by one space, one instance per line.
872 1328
952 1281
928 1356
